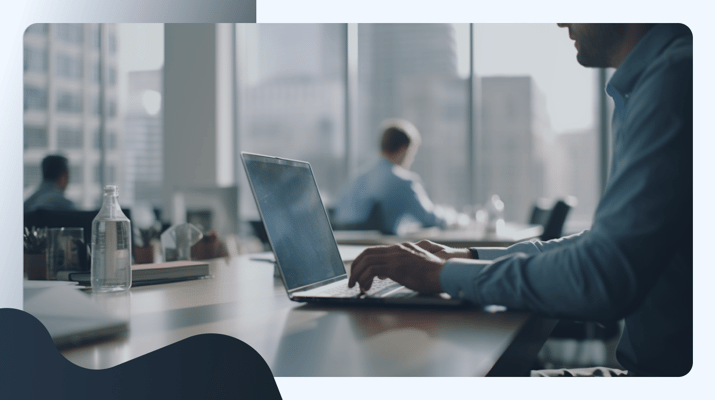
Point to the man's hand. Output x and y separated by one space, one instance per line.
407 263
443 251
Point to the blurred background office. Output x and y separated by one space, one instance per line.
498 111
163 112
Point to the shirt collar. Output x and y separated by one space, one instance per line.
644 53
49 185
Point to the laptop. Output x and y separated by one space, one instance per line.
300 234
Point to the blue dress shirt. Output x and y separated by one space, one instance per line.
398 191
48 196
636 262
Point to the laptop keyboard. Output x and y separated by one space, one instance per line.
341 289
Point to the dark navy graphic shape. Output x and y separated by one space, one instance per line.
209 366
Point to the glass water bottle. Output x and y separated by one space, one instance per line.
111 246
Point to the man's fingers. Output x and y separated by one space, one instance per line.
364 263
370 251
430 246
366 277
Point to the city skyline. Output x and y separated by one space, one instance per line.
415 74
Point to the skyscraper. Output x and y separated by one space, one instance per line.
510 152
62 105
389 54
143 144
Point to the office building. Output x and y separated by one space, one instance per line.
312 130
510 148
579 160
143 143
437 105
292 100
62 106
388 54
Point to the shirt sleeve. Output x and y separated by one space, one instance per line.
606 272
531 247
409 199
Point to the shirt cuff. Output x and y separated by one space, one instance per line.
489 253
456 275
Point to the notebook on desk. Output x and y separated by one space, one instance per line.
302 240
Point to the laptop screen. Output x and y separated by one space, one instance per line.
295 220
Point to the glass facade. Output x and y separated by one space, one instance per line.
497 107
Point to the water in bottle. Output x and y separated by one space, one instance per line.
111 246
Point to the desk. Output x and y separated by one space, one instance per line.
506 236
245 301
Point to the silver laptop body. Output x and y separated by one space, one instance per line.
299 231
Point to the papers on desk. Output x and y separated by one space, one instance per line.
149 274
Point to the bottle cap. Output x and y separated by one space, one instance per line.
111 189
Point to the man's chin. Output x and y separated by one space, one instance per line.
589 62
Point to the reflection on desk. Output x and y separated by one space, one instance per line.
507 235
245 301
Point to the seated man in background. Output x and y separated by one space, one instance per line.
636 262
389 185
50 195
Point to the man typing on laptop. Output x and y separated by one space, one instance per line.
636 262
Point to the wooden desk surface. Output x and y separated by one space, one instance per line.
511 233
245 301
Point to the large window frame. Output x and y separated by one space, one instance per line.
472 117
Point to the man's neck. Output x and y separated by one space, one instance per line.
393 158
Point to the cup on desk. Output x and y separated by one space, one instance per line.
176 242
66 250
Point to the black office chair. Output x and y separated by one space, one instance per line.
374 221
553 219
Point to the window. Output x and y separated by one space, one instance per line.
69 138
538 135
531 133
94 39
35 137
76 173
37 29
110 174
69 102
35 98
293 97
110 137
111 74
112 43
68 66
56 68
69 33
32 175
35 59
412 71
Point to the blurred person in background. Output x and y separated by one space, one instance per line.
391 186
50 195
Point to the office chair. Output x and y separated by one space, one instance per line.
373 222
552 220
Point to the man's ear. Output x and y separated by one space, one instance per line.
63 180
